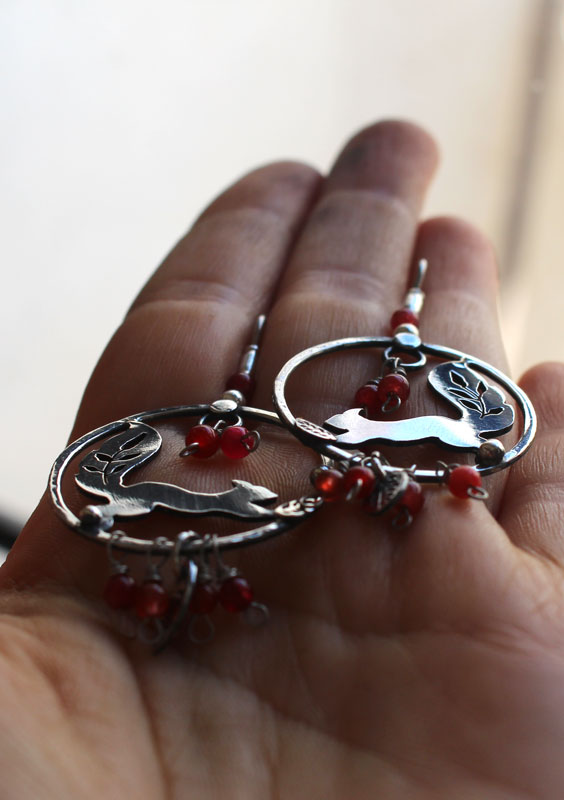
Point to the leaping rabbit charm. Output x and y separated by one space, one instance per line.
483 413
102 471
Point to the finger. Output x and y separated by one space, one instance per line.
533 502
461 289
349 266
183 335
189 324
460 310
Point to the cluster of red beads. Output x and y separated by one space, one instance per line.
333 485
411 501
392 389
233 593
235 441
149 600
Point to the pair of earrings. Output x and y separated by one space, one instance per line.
352 469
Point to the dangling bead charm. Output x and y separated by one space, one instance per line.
368 397
358 483
393 390
152 600
204 598
120 591
465 482
238 442
328 482
235 594
409 505
202 441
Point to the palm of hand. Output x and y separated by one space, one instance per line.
421 665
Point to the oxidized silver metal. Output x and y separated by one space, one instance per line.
131 442
459 378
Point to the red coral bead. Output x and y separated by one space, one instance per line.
207 439
329 482
237 441
403 316
367 397
395 385
152 600
462 479
241 382
120 591
413 498
235 594
363 478
204 598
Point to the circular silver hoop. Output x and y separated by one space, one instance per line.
323 441
286 515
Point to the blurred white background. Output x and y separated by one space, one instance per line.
121 118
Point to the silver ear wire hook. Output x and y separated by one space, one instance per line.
181 539
116 565
421 271
222 569
415 297
249 357
153 568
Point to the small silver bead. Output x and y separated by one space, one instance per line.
407 339
407 327
490 453
90 516
226 405
233 394
93 518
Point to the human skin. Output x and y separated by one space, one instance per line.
427 663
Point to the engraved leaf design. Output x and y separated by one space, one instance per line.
481 388
135 440
117 467
129 456
471 404
458 379
496 410
102 457
460 392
